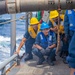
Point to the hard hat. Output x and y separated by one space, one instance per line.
34 21
44 25
54 14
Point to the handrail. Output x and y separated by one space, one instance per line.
2 65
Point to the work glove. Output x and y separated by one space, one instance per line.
47 50
43 51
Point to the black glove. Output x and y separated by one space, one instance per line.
43 51
47 49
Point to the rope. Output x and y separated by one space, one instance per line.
21 18
12 20
58 32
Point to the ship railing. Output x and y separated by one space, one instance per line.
14 57
3 65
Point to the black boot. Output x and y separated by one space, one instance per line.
64 60
41 60
54 59
50 62
28 57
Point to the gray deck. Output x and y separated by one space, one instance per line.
30 68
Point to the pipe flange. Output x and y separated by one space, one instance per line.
11 6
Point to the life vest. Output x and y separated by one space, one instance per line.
46 40
71 17
31 31
61 28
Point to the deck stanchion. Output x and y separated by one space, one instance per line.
18 60
13 36
3 71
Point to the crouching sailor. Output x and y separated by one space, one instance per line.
45 45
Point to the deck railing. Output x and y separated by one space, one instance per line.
5 63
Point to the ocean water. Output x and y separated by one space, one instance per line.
5 34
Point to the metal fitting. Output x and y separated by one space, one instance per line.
11 6
51 4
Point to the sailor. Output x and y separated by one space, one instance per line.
45 45
54 22
70 37
29 38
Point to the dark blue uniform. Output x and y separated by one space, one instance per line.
44 42
70 34
29 42
71 56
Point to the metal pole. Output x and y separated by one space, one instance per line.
30 15
18 60
3 71
13 35
16 6
26 26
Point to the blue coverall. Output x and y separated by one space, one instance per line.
70 34
44 45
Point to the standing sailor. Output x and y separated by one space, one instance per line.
70 35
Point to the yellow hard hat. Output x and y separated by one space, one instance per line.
34 21
53 14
